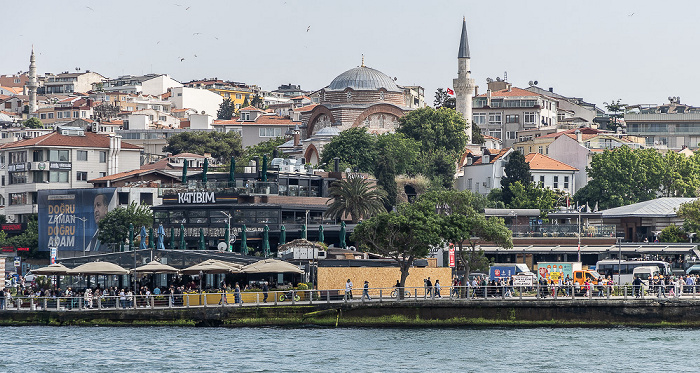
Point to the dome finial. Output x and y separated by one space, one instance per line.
363 60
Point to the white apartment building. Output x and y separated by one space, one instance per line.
504 111
202 100
149 84
64 159
70 82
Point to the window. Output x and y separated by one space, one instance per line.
38 156
18 157
59 155
497 103
58 176
349 96
566 182
479 118
38 177
162 118
270 132
540 149
529 117
59 115
238 96
103 157
82 155
511 135
81 176
18 177
75 114
42 116
18 198
520 149
469 184
495 118
541 180
495 133
555 184
245 116
103 174
50 115
512 118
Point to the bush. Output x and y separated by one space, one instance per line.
302 286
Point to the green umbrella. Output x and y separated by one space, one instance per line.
321 237
303 231
232 171
201 239
151 244
283 235
131 237
264 168
266 241
342 235
184 171
205 169
244 241
172 238
183 246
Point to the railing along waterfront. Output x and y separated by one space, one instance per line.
563 230
339 296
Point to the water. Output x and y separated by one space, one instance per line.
179 349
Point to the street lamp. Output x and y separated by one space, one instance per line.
579 232
83 220
228 228
619 260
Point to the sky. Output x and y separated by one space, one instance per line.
641 52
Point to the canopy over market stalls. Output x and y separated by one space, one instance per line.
98 268
55 269
271 266
155 267
212 266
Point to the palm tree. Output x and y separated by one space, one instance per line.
355 197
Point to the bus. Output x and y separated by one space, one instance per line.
609 267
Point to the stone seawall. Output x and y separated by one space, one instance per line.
405 313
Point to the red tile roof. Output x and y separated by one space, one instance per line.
221 122
250 108
306 108
271 119
513 92
90 140
495 155
584 131
539 161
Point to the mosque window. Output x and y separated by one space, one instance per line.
381 96
349 96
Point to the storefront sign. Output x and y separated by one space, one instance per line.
17 167
11 227
60 166
452 257
196 197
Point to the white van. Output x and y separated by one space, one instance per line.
645 273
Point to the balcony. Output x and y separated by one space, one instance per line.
563 230
222 187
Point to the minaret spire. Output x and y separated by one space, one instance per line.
33 83
464 85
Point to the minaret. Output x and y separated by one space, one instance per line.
32 84
464 84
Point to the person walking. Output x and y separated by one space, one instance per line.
265 289
237 294
348 290
365 291
428 287
2 299
437 289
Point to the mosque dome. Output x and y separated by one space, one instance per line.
363 79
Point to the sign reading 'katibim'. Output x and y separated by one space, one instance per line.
196 197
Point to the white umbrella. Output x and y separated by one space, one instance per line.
155 267
52 270
98 268
271 266
211 266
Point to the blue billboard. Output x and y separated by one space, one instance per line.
68 218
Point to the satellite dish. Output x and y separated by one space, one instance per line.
536 82
530 83
489 80
221 246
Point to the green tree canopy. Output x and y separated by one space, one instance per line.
672 233
29 238
516 170
257 150
114 227
617 109
355 197
221 145
354 147
33 123
403 235
226 110
436 129
403 150
443 99
690 212
257 101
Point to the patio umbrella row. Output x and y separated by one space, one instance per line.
210 266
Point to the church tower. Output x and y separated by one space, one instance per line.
464 84
32 84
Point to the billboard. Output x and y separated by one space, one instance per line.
64 213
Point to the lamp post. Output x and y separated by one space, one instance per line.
228 229
579 232
619 260
83 220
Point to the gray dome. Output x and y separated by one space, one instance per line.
363 79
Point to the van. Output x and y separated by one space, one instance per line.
645 273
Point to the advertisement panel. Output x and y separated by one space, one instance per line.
64 213
555 271
452 257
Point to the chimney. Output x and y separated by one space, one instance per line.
297 135
579 138
336 164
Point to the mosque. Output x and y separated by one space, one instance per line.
365 97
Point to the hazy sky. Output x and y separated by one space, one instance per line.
639 51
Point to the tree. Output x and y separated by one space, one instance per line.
226 110
257 101
220 145
114 227
403 150
441 128
403 235
690 212
615 107
439 166
531 197
673 234
246 103
516 169
354 147
680 176
33 123
385 172
622 176
29 238
462 221
355 197
443 99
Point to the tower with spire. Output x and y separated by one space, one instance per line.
464 84
32 84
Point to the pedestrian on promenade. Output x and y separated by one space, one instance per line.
348 290
265 289
437 289
636 286
365 291
662 286
2 299
223 299
237 294
428 287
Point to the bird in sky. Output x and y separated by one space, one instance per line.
196 33
90 8
188 8
181 59
308 28
631 15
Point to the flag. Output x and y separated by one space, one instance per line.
450 92
567 202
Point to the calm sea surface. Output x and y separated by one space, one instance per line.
175 349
